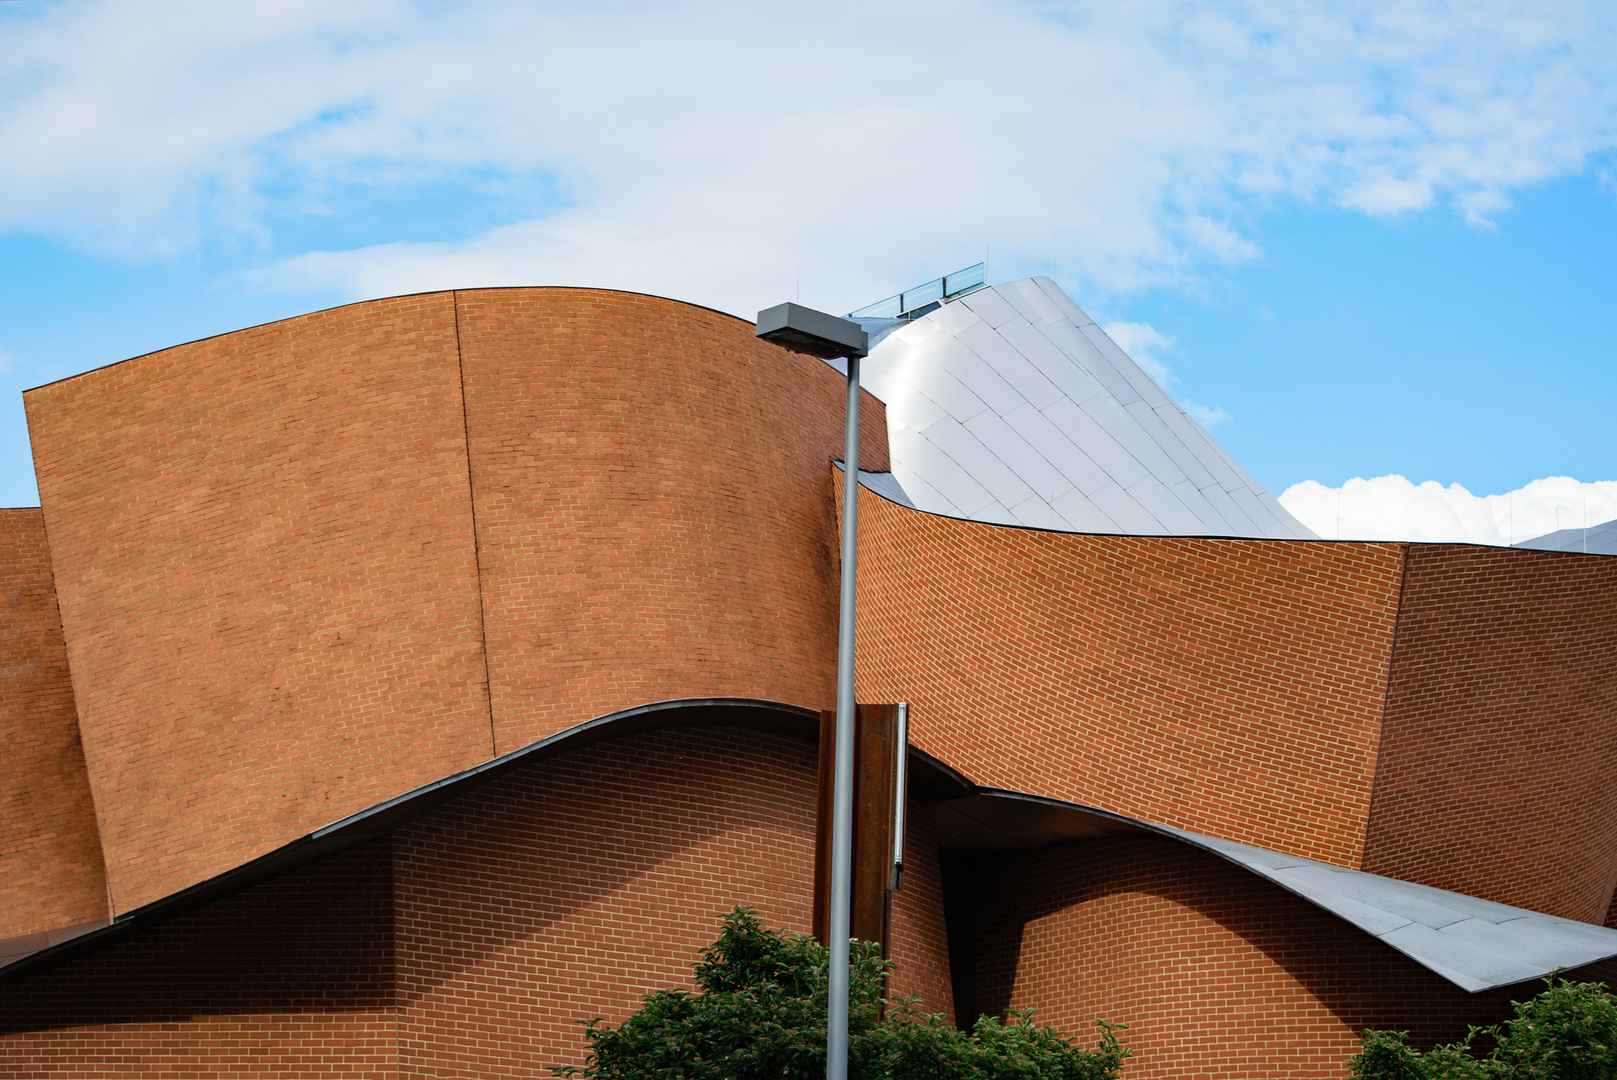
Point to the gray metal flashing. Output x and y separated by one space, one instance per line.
1475 944
1595 540
931 780
884 484
385 816
15 948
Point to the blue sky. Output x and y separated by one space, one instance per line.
1362 239
1421 346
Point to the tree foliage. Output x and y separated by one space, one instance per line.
1567 1032
759 1012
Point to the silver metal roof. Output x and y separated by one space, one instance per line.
1596 540
885 485
1474 944
1009 405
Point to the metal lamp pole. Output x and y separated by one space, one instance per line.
828 337
836 1018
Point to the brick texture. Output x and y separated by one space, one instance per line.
1230 687
290 978
916 937
571 889
473 941
50 853
308 566
262 546
268 548
1216 972
653 507
1498 775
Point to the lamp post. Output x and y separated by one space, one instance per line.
813 332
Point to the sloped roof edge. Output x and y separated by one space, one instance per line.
385 816
1473 943
1009 405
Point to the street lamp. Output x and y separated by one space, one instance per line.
813 332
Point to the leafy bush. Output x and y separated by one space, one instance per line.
760 1013
1567 1032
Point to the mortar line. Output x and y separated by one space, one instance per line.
1386 701
477 539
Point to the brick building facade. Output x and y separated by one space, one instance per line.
389 689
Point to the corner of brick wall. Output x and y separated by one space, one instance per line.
1498 773
51 874
1231 687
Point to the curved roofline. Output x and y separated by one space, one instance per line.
937 779
1201 536
1475 944
387 815
378 300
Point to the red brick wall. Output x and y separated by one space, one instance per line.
290 978
653 510
1216 972
50 854
570 889
262 545
471 942
915 928
1231 687
1498 771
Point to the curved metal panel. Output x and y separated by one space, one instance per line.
931 780
1473 943
384 817
1009 405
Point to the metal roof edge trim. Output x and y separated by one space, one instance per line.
381 299
1212 845
359 827
1231 537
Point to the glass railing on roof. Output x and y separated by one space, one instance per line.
913 303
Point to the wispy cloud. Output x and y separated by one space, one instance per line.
1393 508
1206 415
710 148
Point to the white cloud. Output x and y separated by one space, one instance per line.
1205 415
709 148
1218 239
1392 508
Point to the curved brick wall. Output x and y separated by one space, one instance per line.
571 889
653 505
281 552
472 942
293 977
1232 687
262 547
1216 972
50 855
1499 761
314 564
1445 714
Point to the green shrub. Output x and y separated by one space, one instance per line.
759 1013
1567 1032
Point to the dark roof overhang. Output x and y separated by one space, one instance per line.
930 781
